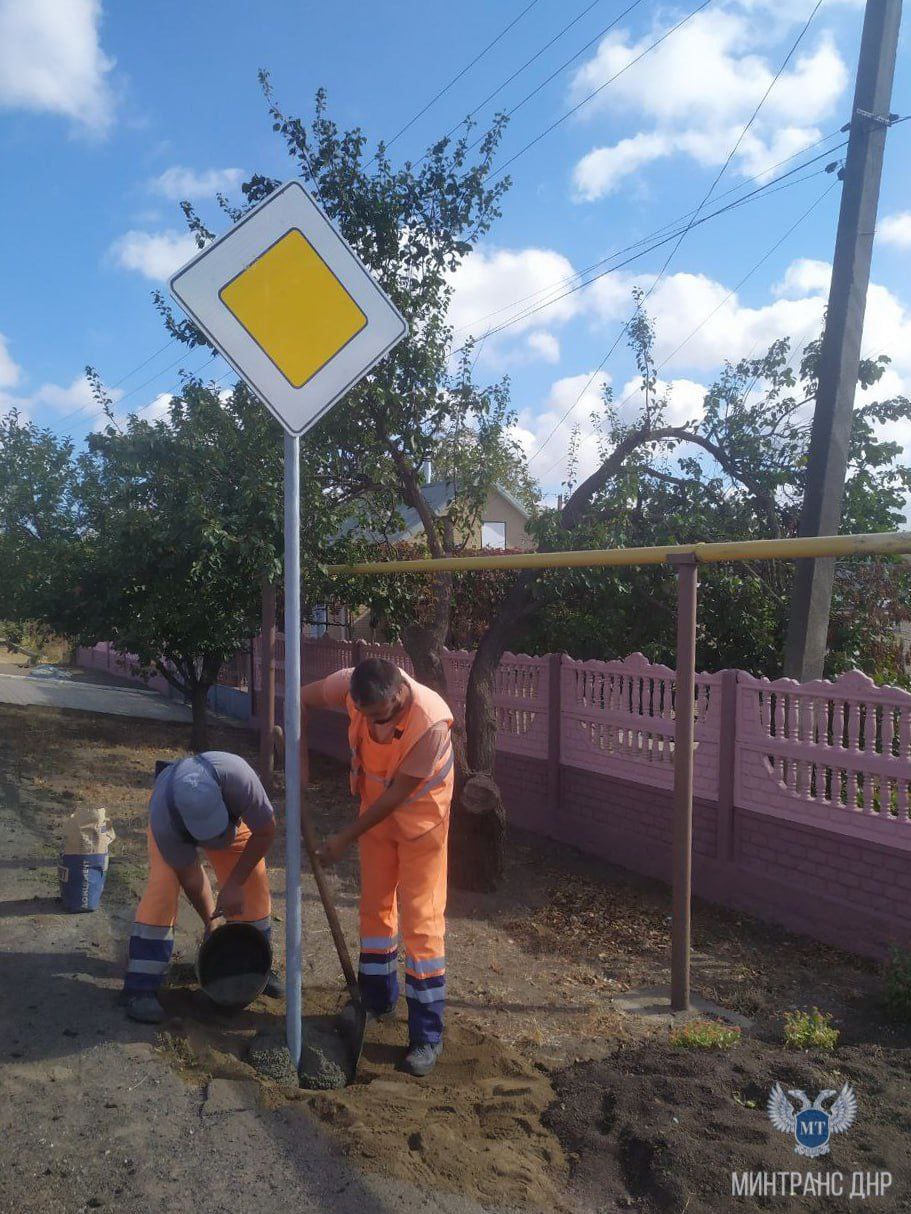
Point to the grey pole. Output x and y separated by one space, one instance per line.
292 748
811 601
684 732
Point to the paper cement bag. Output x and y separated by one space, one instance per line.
88 833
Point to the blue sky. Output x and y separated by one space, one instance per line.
109 113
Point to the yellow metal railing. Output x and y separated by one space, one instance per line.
888 543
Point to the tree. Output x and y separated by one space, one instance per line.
179 520
736 472
37 514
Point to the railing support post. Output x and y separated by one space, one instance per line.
554 731
682 877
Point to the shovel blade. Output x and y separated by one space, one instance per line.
352 1025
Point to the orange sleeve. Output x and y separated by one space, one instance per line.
335 687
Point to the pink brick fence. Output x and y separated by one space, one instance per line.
802 812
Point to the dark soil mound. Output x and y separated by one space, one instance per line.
662 1129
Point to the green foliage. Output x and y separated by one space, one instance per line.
897 985
37 514
412 225
810 1030
704 1035
735 473
180 519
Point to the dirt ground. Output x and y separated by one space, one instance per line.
547 1096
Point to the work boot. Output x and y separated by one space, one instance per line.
275 986
378 1014
144 1008
422 1057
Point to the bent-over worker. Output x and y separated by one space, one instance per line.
215 802
399 733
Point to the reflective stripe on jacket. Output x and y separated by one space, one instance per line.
374 764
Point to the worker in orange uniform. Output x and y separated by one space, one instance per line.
399 733
216 803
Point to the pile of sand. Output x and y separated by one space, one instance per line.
472 1126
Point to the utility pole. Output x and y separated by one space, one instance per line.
811 602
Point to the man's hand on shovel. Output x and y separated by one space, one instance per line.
333 849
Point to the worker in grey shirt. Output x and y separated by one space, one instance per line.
213 802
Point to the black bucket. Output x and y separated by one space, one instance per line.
233 964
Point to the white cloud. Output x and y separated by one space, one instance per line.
695 92
577 396
10 371
544 345
67 401
895 230
684 400
178 183
705 319
51 61
78 395
486 287
805 276
602 171
154 254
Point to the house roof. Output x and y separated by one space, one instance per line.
439 496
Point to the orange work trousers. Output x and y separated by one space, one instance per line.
152 937
404 879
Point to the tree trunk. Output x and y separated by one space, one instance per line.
478 823
199 734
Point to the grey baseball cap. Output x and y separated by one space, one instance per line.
198 800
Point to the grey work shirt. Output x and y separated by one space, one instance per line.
242 793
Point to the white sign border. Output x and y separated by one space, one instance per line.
275 216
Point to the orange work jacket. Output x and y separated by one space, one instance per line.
374 764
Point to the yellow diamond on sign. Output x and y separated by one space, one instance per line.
294 307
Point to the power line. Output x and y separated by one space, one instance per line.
445 89
762 191
740 138
694 220
769 252
594 93
562 282
122 379
101 412
519 70
556 72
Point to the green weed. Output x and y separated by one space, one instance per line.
810 1030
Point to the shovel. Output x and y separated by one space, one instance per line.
354 1020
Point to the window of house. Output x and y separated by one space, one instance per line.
493 535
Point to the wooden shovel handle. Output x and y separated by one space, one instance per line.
335 927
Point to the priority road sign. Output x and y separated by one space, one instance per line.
290 306
298 316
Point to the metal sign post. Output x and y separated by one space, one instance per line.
293 309
292 747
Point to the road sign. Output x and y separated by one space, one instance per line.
290 306
298 316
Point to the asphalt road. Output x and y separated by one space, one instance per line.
61 687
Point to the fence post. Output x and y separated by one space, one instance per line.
554 730
727 759
358 651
